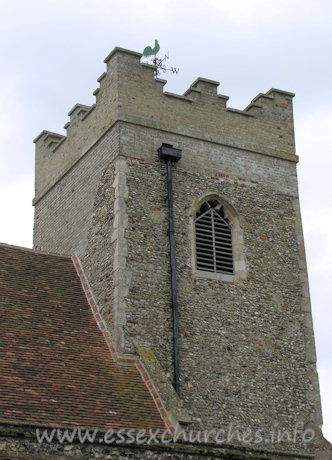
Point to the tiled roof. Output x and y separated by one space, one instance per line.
55 366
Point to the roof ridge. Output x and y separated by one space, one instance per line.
35 251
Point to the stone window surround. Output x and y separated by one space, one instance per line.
240 271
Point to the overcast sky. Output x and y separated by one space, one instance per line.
52 53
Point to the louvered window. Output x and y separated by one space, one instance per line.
214 252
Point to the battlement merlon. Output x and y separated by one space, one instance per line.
130 93
273 100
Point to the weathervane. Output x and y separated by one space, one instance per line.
158 62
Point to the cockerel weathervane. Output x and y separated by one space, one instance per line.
158 62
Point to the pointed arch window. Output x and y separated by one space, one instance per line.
213 239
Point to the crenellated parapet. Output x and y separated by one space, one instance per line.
128 92
268 105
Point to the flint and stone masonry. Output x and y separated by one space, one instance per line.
246 345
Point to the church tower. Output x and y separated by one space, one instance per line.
185 216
